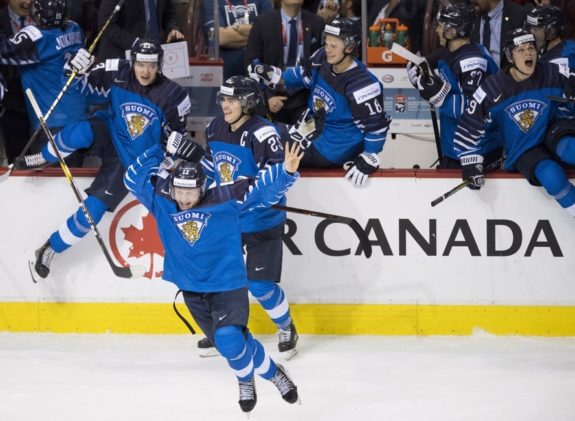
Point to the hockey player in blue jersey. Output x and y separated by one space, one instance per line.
144 105
201 234
41 50
515 102
451 75
346 100
240 144
547 24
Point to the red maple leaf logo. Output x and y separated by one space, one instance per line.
144 242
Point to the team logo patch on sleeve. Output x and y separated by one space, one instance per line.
365 94
191 224
227 166
263 133
473 63
138 117
525 113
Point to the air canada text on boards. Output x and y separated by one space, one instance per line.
409 238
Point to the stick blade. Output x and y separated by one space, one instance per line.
7 174
136 271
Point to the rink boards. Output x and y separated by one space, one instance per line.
501 260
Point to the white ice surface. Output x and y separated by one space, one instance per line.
45 377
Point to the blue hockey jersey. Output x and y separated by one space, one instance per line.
562 54
521 111
203 251
138 115
352 101
464 69
242 154
42 54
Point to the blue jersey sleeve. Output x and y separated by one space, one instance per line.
269 188
20 49
139 175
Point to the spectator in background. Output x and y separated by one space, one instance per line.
85 14
329 10
274 40
153 19
494 20
409 12
236 19
13 17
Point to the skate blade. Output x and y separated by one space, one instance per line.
35 277
288 355
208 353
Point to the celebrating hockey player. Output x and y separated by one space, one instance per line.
144 106
346 101
458 69
515 102
193 224
41 50
240 145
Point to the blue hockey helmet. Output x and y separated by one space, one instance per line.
550 18
517 37
188 175
459 16
244 89
346 29
48 13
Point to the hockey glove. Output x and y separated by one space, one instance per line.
308 65
304 131
413 73
472 171
363 165
80 62
433 89
183 147
269 75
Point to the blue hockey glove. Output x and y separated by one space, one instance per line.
433 89
183 147
363 165
312 63
472 171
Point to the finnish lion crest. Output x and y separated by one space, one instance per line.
525 113
191 224
227 166
138 118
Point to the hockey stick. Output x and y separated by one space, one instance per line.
493 166
352 223
560 99
422 64
120 271
91 49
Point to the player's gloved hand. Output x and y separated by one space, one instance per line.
472 171
269 75
304 131
80 62
363 165
433 89
413 73
183 147
312 63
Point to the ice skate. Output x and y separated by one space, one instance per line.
248 397
206 348
285 385
40 265
30 162
287 342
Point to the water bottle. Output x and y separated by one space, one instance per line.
374 36
211 49
402 35
387 36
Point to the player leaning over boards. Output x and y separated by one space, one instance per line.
346 101
143 106
453 73
515 102
240 144
201 234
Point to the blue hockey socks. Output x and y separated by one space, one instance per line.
553 178
566 149
231 343
264 366
72 137
273 300
77 226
